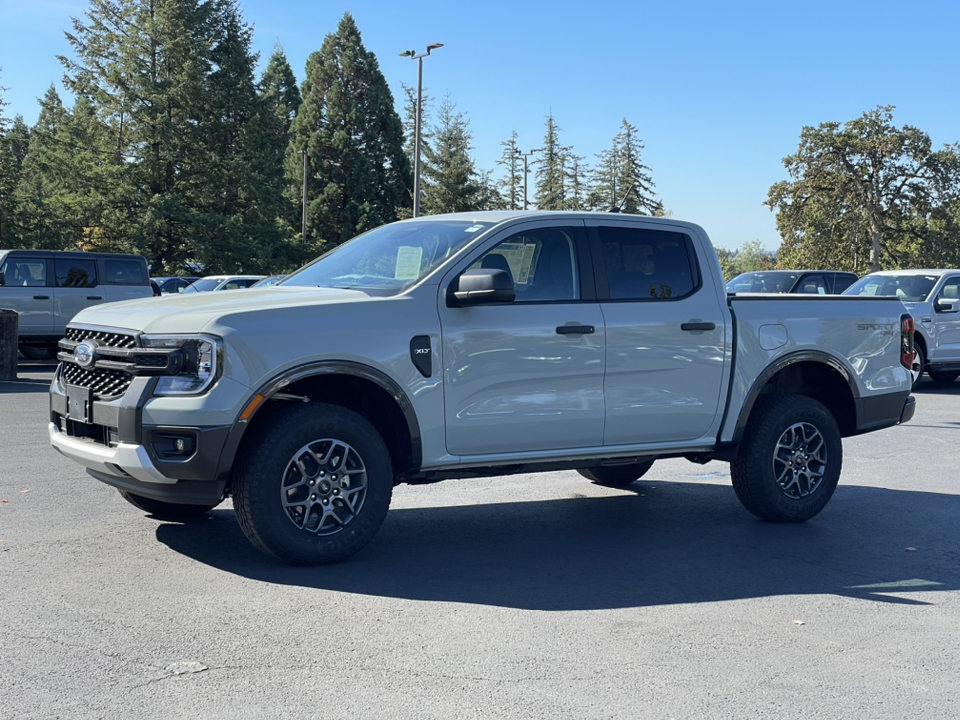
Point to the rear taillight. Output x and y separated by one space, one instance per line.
907 352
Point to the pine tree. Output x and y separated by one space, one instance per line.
41 218
144 65
243 143
278 89
550 173
450 182
575 197
488 195
511 185
359 174
621 178
14 142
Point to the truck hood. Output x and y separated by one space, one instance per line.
191 312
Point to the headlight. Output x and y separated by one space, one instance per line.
202 360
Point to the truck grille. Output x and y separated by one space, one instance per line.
106 384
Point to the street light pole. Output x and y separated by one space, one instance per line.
525 155
418 127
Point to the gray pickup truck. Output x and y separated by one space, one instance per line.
457 346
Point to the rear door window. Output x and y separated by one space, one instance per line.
642 264
80 273
124 271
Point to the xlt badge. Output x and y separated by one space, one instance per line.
421 354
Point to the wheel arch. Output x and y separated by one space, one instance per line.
367 391
813 374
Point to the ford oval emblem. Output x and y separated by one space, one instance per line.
85 353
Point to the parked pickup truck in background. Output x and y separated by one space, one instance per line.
47 288
810 282
933 298
467 345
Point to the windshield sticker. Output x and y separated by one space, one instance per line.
408 263
474 228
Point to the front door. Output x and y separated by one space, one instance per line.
24 288
946 325
526 376
665 335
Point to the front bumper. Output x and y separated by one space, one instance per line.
111 440
123 460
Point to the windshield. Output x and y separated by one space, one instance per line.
762 282
390 258
909 288
203 285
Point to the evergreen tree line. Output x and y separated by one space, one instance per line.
174 149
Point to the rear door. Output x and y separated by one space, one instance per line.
124 278
664 334
77 288
25 287
526 376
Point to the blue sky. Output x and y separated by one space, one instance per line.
719 91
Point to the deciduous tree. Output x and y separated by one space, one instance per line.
866 195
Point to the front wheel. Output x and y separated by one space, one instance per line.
165 510
788 465
313 485
616 476
943 378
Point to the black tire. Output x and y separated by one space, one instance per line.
616 476
286 503
919 362
788 465
943 378
165 510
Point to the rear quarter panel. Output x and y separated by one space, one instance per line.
862 334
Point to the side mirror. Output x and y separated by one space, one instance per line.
943 305
481 287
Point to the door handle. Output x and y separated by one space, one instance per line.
41 297
575 329
94 297
694 326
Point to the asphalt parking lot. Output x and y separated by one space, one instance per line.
518 597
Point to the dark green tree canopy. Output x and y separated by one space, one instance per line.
867 195
359 174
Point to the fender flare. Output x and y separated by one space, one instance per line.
780 364
313 369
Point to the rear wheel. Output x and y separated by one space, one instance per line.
314 485
165 510
788 465
616 476
943 378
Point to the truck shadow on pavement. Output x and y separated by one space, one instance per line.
663 543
